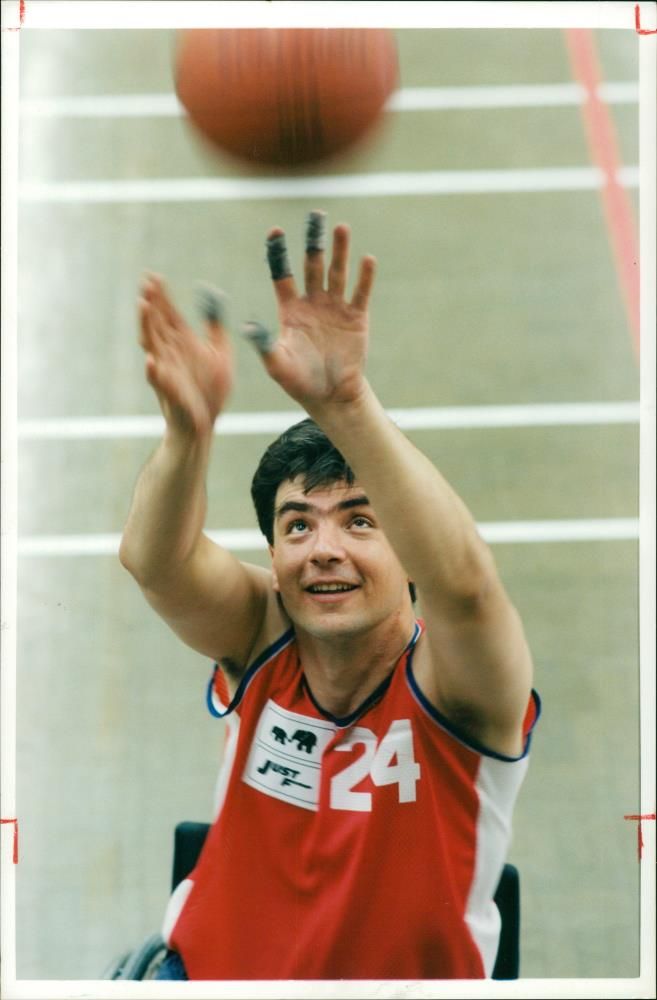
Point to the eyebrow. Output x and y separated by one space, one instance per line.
300 507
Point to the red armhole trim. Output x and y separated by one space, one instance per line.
221 687
531 715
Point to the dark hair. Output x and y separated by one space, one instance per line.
302 450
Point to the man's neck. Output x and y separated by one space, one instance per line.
342 671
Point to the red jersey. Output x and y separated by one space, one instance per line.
367 847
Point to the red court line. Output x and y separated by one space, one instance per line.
603 149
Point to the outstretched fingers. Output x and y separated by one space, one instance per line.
339 267
153 329
154 290
259 336
279 266
158 318
156 350
145 329
266 344
315 245
361 297
212 304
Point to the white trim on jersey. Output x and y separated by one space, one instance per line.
228 760
175 907
497 786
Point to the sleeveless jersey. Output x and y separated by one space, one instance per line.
366 847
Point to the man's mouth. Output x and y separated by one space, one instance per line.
330 588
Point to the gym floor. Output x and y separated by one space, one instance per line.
503 296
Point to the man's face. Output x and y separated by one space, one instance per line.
333 567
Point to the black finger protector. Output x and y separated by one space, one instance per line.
279 264
210 302
258 335
315 232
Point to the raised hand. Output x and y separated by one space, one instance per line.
192 376
319 356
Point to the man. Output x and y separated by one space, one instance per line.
372 761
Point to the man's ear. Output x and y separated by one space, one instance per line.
274 578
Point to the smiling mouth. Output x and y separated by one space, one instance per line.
331 588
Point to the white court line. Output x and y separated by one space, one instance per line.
247 540
518 96
405 99
275 422
374 185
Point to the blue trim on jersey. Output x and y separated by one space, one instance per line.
247 677
458 734
348 720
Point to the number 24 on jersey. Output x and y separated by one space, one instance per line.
388 763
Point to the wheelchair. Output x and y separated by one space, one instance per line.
143 962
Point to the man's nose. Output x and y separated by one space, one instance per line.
327 545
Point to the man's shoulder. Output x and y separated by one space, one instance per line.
274 633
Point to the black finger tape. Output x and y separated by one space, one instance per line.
279 264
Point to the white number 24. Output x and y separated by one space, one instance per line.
377 761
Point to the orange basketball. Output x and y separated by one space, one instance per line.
285 96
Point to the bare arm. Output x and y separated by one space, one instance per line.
479 671
214 602
479 667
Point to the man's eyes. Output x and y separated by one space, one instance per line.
298 525
295 527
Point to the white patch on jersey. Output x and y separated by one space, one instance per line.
498 783
174 908
232 732
286 756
